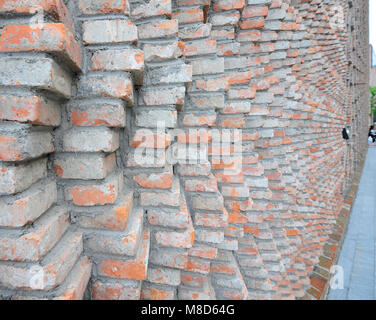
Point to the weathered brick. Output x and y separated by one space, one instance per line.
167 198
21 143
159 29
209 66
91 140
96 114
184 239
131 60
150 96
176 218
164 276
162 180
222 5
85 167
199 47
27 206
169 74
96 194
154 52
91 7
55 8
128 269
30 109
195 32
56 266
34 244
114 216
108 85
124 243
38 73
152 8
188 15
51 37
169 257
78 281
17 178
109 31
149 293
119 290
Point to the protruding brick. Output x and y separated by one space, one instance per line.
55 267
78 281
128 269
50 37
92 113
108 85
17 178
152 8
91 7
34 244
96 194
91 140
38 73
119 243
27 206
158 52
131 60
116 290
109 31
114 216
30 109
159 29
85 167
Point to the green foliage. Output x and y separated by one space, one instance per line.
372 91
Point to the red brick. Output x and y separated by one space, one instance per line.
157 180
106 290
78 282
23 146
91 7
131 269
86 167
30 109
109 31
56 8
164 28
51 37
251 12
96 194
222 5
188 15
110 115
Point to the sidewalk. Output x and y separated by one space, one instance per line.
357 257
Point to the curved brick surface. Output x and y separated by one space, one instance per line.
196 146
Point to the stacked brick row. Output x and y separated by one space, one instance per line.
40 57
90 165
211 261
155 120
191 149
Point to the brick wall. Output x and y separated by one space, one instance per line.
116 179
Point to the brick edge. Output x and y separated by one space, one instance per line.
320 277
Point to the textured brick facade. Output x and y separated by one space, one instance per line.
85 85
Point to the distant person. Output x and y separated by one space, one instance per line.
372 133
